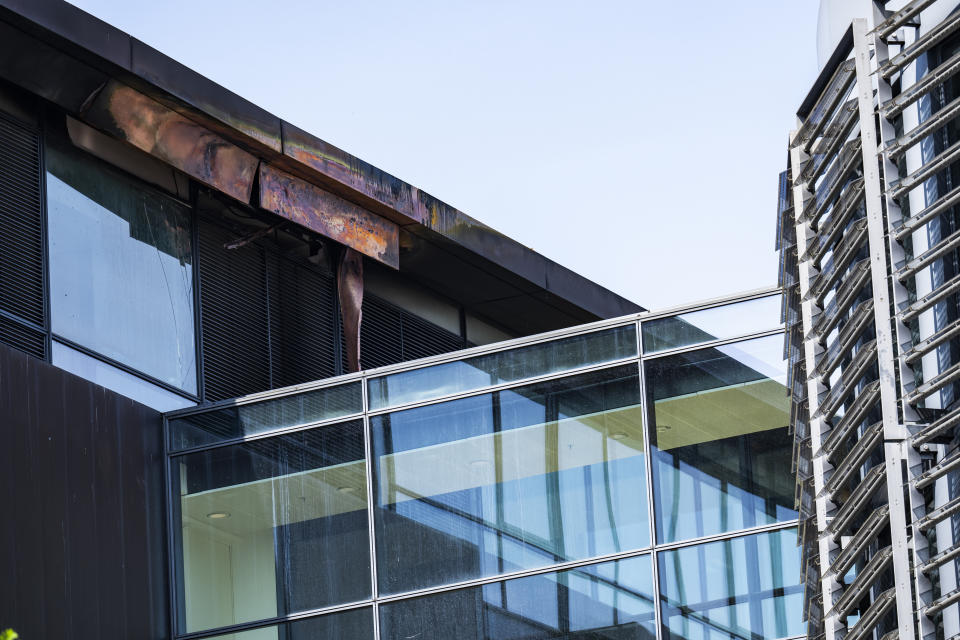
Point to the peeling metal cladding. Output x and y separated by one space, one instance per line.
46 71
228 111
329 215
175 139
342 168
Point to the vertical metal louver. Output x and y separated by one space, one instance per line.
21 238
390 334
234 319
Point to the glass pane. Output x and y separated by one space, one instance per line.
717 323
355 624
504 366
256 521
250 419
121 273
721 452
747 587
111 377
609 600
516 479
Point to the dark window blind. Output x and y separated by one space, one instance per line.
267 321
21 238
390 334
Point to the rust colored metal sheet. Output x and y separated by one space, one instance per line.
350 287
329 215
340 168
175 139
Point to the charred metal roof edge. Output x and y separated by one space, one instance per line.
114 52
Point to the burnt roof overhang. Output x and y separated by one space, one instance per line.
83 64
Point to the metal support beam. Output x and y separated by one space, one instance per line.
894 433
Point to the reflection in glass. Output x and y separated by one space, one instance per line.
721 452
121 274
516 479
716 323
610 600
503 366
747 587
355 624
257 520
250 419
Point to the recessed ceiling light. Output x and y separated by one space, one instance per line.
619 435
218 515
347 489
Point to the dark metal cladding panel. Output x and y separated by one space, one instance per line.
329 215
203 94
74 25
148 125
73 561
45 71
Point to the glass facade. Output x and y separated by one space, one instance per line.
121 268
571 486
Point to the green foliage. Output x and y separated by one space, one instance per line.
9 634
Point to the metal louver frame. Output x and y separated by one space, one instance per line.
948 288
859 498
886 28
864 359
858 589
854 328
831 229
873 615
834 181
859 542
936 428
907 97
935 209
847 249
921 46
939 119
864 403
847 293
872 437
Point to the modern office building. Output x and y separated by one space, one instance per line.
252 387
869 246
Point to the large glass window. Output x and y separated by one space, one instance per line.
500 367
715 323
721 452
271 527
511 480
609 600
121 271
354 624
746 587
207 427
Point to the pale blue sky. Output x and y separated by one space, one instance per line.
637 143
